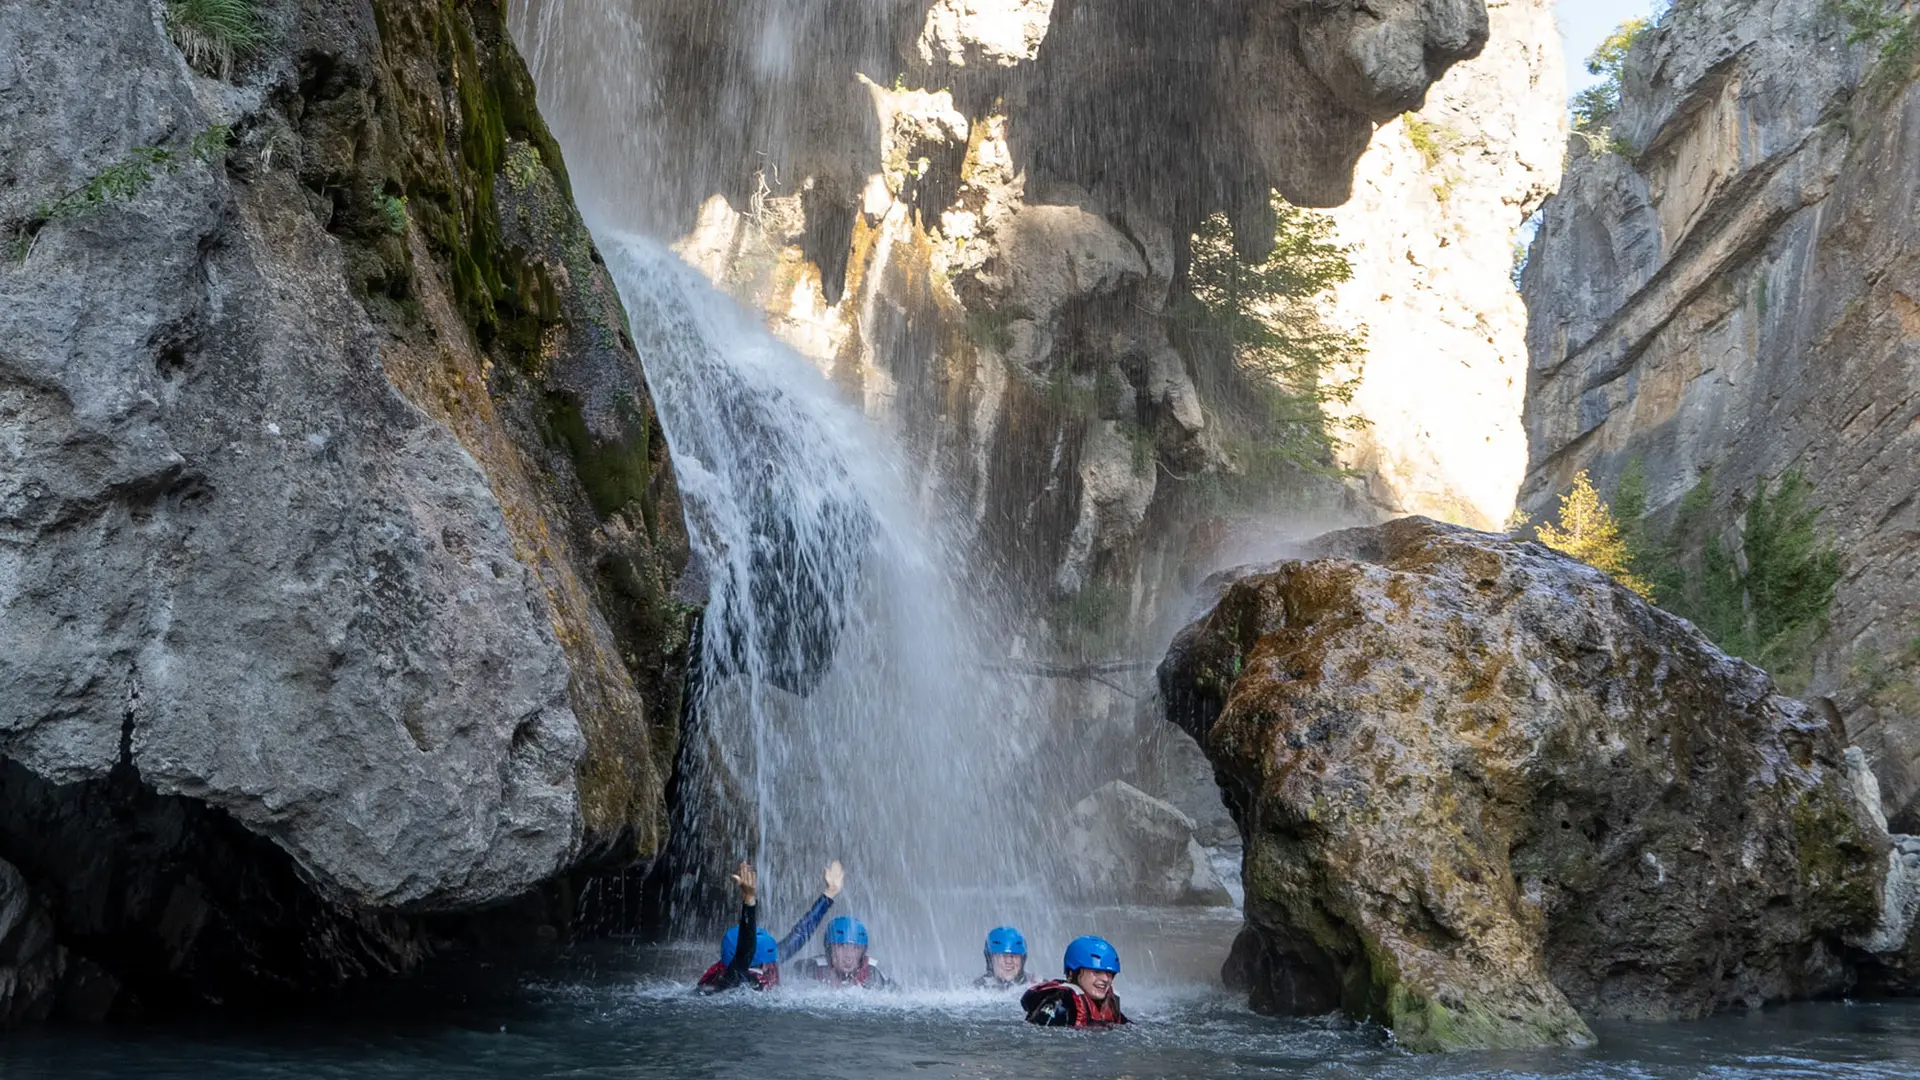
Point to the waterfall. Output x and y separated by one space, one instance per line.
846 706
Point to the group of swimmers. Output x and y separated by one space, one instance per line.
751 958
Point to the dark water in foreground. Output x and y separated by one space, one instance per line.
611 1012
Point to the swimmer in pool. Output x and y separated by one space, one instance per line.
756 965
846 963
1006 956
1086 998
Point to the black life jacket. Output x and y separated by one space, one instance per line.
765 977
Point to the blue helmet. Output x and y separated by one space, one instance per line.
765 949
1092 954
847 930
1006 941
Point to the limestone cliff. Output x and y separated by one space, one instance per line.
1728 285
974 216
336 533
1438 203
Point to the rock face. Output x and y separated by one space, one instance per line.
1731 286
1129 847
1485 792
1437 206
31 962
334 525
974 215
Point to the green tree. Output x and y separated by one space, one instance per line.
1269 367
1765 600
1594 107
1588 531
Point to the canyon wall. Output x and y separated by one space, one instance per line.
1437 207
1726 285
975 216
337 537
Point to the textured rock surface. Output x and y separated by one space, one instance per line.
31 961
1437 207
987 265
330 501
1482 787
1740 294
1128 847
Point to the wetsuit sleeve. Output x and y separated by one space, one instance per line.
796 938
736 972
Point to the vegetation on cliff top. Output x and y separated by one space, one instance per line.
1594 107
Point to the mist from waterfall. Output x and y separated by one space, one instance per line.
850 699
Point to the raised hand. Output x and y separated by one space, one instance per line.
748 881
836 877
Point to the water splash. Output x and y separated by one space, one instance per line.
844 709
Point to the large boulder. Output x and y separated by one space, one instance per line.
1485 790
1125 846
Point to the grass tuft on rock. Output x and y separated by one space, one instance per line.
213 34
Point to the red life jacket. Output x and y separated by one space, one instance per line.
824 972
761 978
1086 1011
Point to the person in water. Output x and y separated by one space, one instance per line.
758 966
1086 998
1006 953
846 962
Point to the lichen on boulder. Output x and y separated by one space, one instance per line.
1485 792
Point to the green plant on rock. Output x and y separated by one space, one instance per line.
1271 370
121 181
213 34
1430 140
393 211
1870 20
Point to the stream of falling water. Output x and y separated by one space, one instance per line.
842 705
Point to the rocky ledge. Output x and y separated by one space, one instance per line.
1487 793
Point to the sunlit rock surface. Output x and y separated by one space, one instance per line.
1735 289
1436 212
335 530
971 213
1486 791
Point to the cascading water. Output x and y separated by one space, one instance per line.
843 705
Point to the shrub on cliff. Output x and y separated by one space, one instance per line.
1593 108
1766 600
1270 369
214 33
1588 531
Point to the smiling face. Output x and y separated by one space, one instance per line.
845 959
1096 984
1007 967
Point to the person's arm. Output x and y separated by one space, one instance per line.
748 944
796 938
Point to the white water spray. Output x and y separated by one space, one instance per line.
844 708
